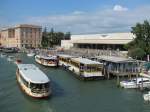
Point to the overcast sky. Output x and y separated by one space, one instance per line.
76 16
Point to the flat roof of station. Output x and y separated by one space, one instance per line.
115 59
110 38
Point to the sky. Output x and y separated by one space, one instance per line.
76 16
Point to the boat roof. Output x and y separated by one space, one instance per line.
32 73
47 57
66 56
85 61
141 78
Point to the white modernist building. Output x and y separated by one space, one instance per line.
99 41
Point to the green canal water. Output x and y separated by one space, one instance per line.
69 93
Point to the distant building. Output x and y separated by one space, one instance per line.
21 36
111 41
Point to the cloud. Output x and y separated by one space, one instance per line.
100 21
119 8
78 12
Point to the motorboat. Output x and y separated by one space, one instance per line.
147 96
30 54
136 83
3 55
10 58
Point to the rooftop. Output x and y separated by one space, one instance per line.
46 57
32 73
115 59
85 61
66 56
110 38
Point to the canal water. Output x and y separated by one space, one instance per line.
69 93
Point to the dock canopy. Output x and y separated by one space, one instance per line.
33 74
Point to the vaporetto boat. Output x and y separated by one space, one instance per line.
33 81
47 60
136 83
82 67
64 60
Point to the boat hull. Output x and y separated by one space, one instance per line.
134 85
28 92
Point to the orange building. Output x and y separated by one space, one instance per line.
21 36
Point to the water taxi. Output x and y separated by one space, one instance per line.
86 69
10 58
50 61
33 81
147 96
136 83
10 50
30 54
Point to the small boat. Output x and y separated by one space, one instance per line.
147 96
136 83
10 50
30 54
33 81
10 58
50 61
18 61
3 55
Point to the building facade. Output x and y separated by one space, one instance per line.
21 36
111 41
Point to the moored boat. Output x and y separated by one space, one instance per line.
65 59
3 55
85 69
18 61
136 83
10 58
30 54
147 96
33 81
50 61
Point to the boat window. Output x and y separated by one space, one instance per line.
39 86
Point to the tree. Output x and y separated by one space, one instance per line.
137 53
52 38
44 41
142 41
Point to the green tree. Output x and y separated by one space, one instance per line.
44 41
52 38
136 53
142 41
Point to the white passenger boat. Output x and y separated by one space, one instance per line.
136 83
33 81
65 59
86 69
147 96
11 58
47 60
